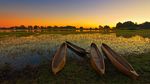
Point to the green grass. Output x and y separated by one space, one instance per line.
17 34
124 33
23 33
79 72
129 33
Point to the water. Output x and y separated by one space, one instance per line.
21 51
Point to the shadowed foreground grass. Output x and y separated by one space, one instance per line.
77 72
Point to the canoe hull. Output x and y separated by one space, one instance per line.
59 59
127 70
97 60
78 50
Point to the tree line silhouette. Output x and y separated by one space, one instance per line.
132 26
41 27
125 25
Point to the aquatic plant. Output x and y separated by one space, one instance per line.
32 49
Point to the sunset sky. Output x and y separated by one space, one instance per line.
86 13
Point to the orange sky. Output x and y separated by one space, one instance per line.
86 13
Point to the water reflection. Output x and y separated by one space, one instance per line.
21 30
20 51
124 33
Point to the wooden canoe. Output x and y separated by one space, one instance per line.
78 50
97 60
119 62
59 59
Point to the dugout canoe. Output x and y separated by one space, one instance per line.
59 59
119 62
97 60
76 49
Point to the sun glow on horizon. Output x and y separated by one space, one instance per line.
85 13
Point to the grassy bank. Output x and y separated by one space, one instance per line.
17 34
124 33
77 72
129 33
25 33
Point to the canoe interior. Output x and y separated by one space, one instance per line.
60 53
119 58
76 47
97 57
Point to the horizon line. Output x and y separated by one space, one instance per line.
77 26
